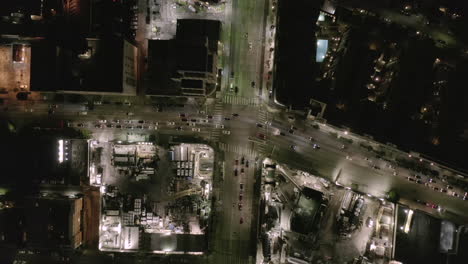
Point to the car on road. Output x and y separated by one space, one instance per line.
293 147
239 206
139 127
235 172
435 189
259 125
369 222
196 129
282 134
184 119
219 126
129 113
226 132
240 197
242 170
241 186
141 121
103 121
311 139
236 162
109 126
80 125
241 220
118 126
227 118
179 128
209 116
97 126
261 136
235 115
242 160
116 121
246 163
193 120
171 123
129 127
443 190
410 179
316 146
252 84
182 115
291 131
455 194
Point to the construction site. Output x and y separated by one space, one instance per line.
159 200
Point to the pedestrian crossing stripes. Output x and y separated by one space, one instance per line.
262 118
237 100
217 119
244 151
218 110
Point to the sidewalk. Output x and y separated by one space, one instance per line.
269 53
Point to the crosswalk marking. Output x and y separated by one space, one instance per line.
244 151
238 100
217 119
